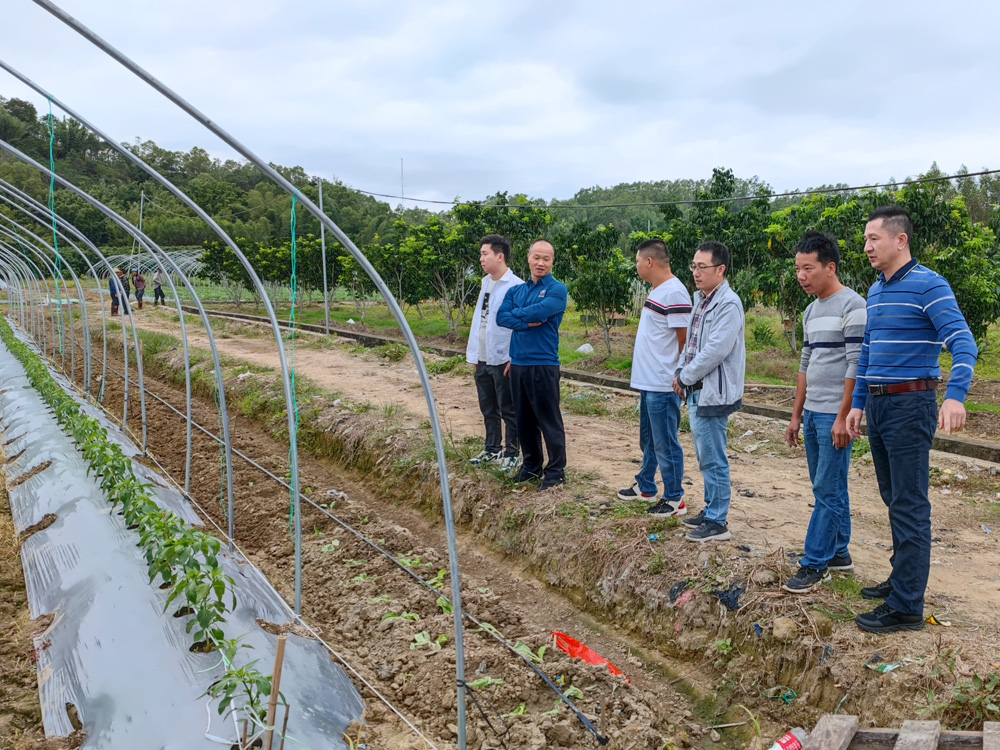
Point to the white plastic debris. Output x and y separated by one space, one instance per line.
350 322
585 349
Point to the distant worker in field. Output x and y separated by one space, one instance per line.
833 327
158 295
126 289
534 310
118 293
489 351
139 282
659 342
710 379
912 313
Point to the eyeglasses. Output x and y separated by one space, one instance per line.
703 267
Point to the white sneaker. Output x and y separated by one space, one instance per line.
634 493
485 458
509 464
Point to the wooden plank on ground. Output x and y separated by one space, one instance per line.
991 735
832 733
918 735
885 739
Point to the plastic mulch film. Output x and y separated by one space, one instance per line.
111 651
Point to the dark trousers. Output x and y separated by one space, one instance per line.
536 404
496 402
901 430
159 296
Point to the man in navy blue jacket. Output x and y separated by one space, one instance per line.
533 311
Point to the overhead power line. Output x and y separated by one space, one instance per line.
690 201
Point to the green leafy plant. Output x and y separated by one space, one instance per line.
489 628
445 605
519 711
484 682
409 616
524 650
246 681
437 582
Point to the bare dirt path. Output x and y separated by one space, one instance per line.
772 494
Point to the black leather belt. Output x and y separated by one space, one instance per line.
910 386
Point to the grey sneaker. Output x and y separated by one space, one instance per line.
841 562
695 521
806 580
486 457
509 464
709 531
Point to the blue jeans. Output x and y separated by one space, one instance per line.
829 530
659 418
901 430
709 434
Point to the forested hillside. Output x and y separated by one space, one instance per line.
434 256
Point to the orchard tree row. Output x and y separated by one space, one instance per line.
438 259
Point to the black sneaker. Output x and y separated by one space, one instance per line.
526 476
884 619
709 531
881 591
667 509
841 562
548 484
695 521
806 580
634 493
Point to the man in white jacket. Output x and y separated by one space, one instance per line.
489 351
710 379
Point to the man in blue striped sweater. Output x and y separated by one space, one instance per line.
912 313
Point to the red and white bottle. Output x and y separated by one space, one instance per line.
791 741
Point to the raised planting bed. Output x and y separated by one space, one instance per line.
154 636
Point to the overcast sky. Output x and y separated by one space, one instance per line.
538 97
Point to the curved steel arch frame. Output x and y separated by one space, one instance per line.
150 245
56 273
62 224
391 303
7 194
79 288
110 266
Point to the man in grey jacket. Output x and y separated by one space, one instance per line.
710 379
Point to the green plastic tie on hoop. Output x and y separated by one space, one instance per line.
52 211
291 363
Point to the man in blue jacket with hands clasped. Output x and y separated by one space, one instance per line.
533 311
